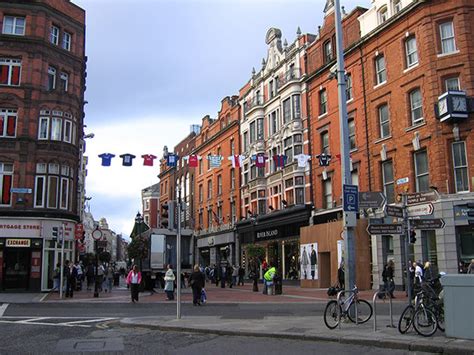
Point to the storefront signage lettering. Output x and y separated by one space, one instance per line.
267 234
18 243
20 226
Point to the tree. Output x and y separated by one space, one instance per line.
105 257
255 252
138 248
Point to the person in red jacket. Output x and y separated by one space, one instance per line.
133 279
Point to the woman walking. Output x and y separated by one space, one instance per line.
133 279
196 280
169 283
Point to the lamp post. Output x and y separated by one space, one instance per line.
139 221
97 235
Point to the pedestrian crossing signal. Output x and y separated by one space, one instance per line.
412 237
55 233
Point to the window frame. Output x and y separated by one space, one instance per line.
446 83
411 54
414 109
352 134
327 51
385 123
380 72
52 77
323 102
327 194
421 175
463 167
325 144
6 117
14 25
387 183
6 184
382 14
13 71
64 81
54 35
41 136
67 41
349 92
450 39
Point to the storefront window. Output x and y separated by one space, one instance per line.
428 245
466 238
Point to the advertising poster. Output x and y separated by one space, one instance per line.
340 252
309 261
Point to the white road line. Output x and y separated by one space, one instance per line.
33 320
45 295
3 308
88 321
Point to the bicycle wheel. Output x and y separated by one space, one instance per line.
364 311
406 319
440 317
424 322
331 314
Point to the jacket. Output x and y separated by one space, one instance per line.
130 275
196 280
314 258
169 280
270 274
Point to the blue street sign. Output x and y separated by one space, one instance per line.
351 198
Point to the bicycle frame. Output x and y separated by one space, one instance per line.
347 303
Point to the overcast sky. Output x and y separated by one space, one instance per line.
157 66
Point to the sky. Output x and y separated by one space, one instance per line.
155 67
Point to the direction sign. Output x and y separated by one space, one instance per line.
21 190
371 199
429 223
421 197
394 211
351 198
385 229
424 209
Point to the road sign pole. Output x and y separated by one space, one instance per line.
61 282
178 258
349 262
407 244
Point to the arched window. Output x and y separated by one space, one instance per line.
383 14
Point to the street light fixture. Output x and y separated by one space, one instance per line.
139 221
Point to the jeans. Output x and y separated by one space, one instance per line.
134 291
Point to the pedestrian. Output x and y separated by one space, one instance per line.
71 276
80 275
268 279
229 272
241 276
253 275
134 278
196 281
462 269
387 277
341 275
222 275
56 277
90 276
109 277
428 272
470 268
235 274
100 277
169 283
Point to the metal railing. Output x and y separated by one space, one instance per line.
255 101
374 305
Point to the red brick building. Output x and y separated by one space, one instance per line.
217 186
150 205
42 84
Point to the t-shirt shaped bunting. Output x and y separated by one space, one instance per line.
260 160
237 160
214 161
172 159
127 159
148 159
302 160
280 160
192 160
106 158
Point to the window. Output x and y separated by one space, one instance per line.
273 123
13 25
416 106
297 148
201 195
209 189
388 182
67 131
452 84
349 87
200 219
232 147
327 194
53 186
461 179
246 141
262 207
56 125
232 212
296 107
421 171
411 52
246 174
383 15
299 191
10 70
232 178
6 180
43 129
327 47
352 134
428 246
200 166
286 111
325 142
8 120
64 82
381 73
288 146
219 184
209 218
446 32
260 129
147 205
323 102
355 176
67 41
397 6
271 89
252 132
54 35
51 78
384 121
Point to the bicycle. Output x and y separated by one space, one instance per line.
335 311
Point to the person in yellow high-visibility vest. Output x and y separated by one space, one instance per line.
269 275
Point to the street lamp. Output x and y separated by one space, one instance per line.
97 235
139 221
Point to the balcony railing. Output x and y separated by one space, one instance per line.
290 75
255 101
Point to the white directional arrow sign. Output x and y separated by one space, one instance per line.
425 209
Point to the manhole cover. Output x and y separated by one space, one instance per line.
90 345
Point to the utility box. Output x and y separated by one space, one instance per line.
458 309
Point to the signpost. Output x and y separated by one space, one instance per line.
421 197
429 223
371 199
351 198
424 209
394 211
385 229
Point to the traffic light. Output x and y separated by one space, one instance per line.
164 215
171 214
55 233
470 214
412 236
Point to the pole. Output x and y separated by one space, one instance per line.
96 288
407 244
61 282
346 178
178 257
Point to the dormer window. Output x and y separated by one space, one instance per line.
397 6
327 47
383 15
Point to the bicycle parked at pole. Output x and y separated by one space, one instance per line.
357 310
427 313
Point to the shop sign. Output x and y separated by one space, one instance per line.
210 241
267 234
20 228
18 243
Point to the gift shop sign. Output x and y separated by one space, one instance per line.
20 228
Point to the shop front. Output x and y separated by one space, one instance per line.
278 235
28 254
217 248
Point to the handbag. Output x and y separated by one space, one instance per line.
333 290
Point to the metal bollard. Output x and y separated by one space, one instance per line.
374 304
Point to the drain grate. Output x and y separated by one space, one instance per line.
90 345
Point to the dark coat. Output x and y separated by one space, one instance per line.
196 280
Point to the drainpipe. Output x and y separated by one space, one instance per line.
367 145
309 137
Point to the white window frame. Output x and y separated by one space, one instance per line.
14 25
349 93
50 177
411 52
43 189
450 87
11 63
5 171
416 105
64 77
219 185
380 71
387 183
67 131
4 114
448 41
286 107
43 134
327 193
352 134
56 129
383 14
419 175
296 106
323 102
384 123
463 167
325 142
397 6
54 35
64 185
51 78
328 54
67 39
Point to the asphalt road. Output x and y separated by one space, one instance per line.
111 338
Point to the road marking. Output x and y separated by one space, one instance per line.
88 321
3 308
42 321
